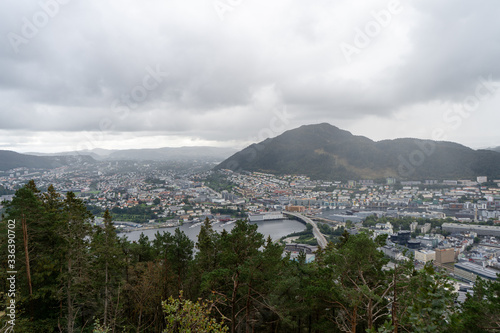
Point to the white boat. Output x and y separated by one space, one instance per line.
196 225
228 223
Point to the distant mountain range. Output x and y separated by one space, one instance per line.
154 154
97 153
320 151
324 151
11 160
212 154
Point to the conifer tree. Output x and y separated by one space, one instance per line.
36 264
108 262
480 311
76 273
238 251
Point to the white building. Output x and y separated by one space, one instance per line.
425 255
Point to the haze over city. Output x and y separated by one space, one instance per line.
115 75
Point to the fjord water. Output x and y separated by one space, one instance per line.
276 229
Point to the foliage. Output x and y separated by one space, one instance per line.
4 191
360 288
184 316
100 328
481 309
430 306
139 213
218 182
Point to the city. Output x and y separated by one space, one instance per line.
428 217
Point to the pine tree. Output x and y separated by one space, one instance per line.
429 301
36 263
176 254
480 311
75 277
108 262
227 282
358 284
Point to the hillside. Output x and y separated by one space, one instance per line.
10 160
173 154
324 151
210 154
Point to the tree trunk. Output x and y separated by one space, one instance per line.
140 318
116 310
69 300
370 314
26 253
106 295
354 319
233 304
395 305
247 311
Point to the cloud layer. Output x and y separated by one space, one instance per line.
157 73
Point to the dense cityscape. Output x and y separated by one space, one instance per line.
438 215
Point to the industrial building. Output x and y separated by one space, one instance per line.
469 271
265 216
481 230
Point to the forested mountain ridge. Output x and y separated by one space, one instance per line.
204 153
78 277
10 160
497 149
323 151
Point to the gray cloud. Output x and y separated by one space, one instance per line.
223 80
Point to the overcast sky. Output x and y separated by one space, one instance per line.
84 74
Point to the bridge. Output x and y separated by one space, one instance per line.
317 234
322 219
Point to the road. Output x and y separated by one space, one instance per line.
317 234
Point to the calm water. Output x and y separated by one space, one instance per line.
276 229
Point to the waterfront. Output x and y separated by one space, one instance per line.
276 229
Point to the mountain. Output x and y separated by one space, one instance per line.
10 160
324 151
97 154
212 154
497 149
